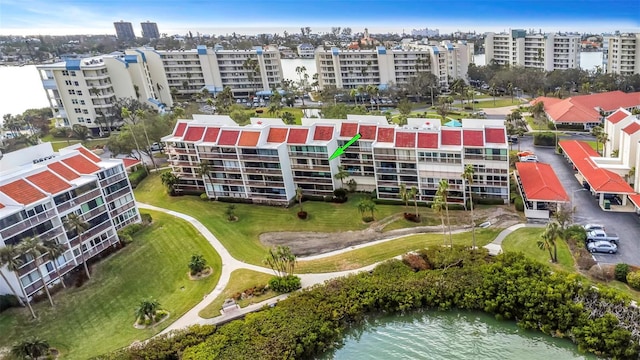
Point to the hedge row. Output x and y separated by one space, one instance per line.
509 286
137 176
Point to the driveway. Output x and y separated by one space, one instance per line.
627 225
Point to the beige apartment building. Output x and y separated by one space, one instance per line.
623 55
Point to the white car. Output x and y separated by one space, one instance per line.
590 227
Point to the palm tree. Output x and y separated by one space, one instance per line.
372 90
437 207
33 247
147 309
204 169
8 257
354 95
299 197
302 71
443 189
597 132
548 240
414 194
169 180
341 174
55 251
131 118
510 90
141 114
197 264
367 205
404 196
32 348
467 176
75 223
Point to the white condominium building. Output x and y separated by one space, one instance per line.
266 161
40 188
348 69
542 51
623 54
81 91
190 71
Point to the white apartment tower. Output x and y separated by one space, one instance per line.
542 51
623 54
348 69
39 188
81 91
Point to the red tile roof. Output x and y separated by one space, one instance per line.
228 137
540 182
635 198
48 182
548 101
473 138
90 154
249 138
130 162
180 127
617 116
386 135
609 101
194 133
632 128
584 108
277 135
22 192
63 171
323 133
368 132
211 135
600 180
427 140
297 136
406 139
495 136
348 129
81 165
1 206
451 137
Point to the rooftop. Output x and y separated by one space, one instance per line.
540 182
586 108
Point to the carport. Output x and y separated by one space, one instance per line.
541 190
635 199
600 182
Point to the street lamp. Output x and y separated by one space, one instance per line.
573 195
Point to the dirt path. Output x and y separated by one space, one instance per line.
314 243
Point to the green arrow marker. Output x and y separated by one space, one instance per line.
340 150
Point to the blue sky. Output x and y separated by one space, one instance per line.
22 17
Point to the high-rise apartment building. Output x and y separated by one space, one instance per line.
39 188
348 69
150 30
81 91
542 51
623 54
267 160
124 30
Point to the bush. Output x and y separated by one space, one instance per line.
60 132
137 176
340 193
513 197
146 218
339 200
489 201
204 196
544 139
312 198
352 185
584 259
633 279
602 272
229 199
284 284
519 204
131 229
8 301
416 262
367 219
622 270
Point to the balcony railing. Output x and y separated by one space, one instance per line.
309 155
385 157
118 194
27 224
87 235
260 157
121 209
312 180
112 179
95 212
268 196
269 184
255 170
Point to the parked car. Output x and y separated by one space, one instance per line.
602 247
156 146
601 235
590 227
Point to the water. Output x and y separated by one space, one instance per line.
450 335
20 89
289 68
588 60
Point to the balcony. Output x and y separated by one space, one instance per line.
282 197
309 155
173 150
274 158
385 157
228 181
87 235
310 167
123 208
27 224
255 170
118 194
112 179
388 183
312 180
95 212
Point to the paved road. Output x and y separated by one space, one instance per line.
627 225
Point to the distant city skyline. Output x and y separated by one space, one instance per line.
78 17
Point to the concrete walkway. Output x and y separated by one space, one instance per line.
229 264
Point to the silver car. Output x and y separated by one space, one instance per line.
590 227
602 247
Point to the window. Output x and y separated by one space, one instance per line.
77 110
82 102
79 92
80 119
72 92
73 73
68 82
75 83
85 111
74 101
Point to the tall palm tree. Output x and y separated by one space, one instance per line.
437 207
204 169
299 196
252 68
414 194
74 222
354 95
404 196
169 180
467 176
8 257
341 174
443 189
55 250
33 246
302 71
147 309
548 240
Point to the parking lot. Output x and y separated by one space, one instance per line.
626 225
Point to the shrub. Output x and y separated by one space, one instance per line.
518 204
60 132
367 219
340 200
633 279
312 198
584 259
513 197
416 262
340 193
137 176
544 139
8 301
284 284
622 270
602 272
352 185
197 264
229 199
204 196
489 201
147 322
124 237
146 218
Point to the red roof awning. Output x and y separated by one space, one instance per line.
540 182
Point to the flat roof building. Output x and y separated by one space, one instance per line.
150 30
124 30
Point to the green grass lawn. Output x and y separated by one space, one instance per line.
58 143
536 125
500 102
297 112
241 280
594 145
402 223
98 317
372 254
241 237
525 240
